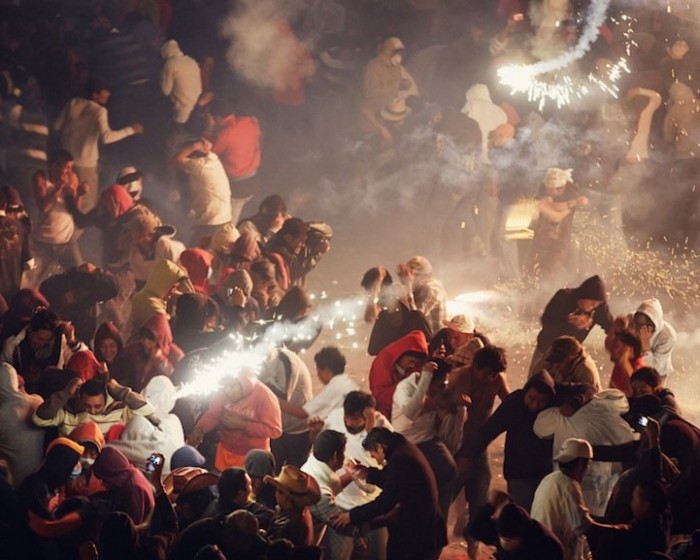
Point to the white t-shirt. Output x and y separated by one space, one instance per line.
331 396
55 227
558 505
210 190
407 414
353 495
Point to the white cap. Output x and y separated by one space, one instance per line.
460 323
574 448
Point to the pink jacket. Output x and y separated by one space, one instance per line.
258 405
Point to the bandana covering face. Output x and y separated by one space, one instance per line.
555 177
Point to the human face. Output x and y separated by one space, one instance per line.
641 321
535 401
93 405
243 496
41 339
101 96
354 424
588 305
109 349
640 389
256 483
617 349
378 454
324 374
337 460
457 338
407 362
283 501
149 346
295 242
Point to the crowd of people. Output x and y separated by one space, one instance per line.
143 237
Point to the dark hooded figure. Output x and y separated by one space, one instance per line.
50 524
572 312
128 488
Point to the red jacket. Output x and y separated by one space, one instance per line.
383 375
237 143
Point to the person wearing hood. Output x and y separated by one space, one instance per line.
164 281
485 112
141 437
127 487
657 336
247 415
75 294
527 458
385 79
180 81
198 264
271 215
20 310
569 364
39 493
572 312
21 444
89 436
152 353
600 423
106 404
108 343
394 363
190 323
237 307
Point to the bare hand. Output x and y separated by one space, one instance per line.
73 386
580 321
645 334
653 431
341 520
315 424
237 297
205 145
370 418
68 331
137 128
582 201
196 436
82 190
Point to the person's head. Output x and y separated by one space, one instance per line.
274 209
148 341
539 392
642 320
564 351
98 91
132 180
649 501
379 442
60 166
235 488
294 489
258 464
623 342
293 234
108 348
371 277
590 294
555 180
512 525
93 396
573 457
645 381
329 363
329 448
409 361
460 330
43 327
393 50
295 305
488 363
358 407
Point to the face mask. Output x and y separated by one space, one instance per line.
396 59
77 470
87 462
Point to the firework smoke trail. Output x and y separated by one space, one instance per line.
239 353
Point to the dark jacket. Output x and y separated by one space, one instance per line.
526 456
416 529
388 329
555 318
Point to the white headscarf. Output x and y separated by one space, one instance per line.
555 177
485 112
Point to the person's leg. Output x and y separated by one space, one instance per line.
445 470
237 205
523 491
291 449
476 490
377 541
90 176
336 546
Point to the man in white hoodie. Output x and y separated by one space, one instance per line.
180 80
657 336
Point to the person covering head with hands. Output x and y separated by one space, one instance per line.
658 337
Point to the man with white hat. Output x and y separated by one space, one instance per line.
427 294
460 335
559 504
384 80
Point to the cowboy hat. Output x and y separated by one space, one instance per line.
301 488
187 480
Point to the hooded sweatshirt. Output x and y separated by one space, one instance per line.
383 374
20 443
197 262
662 341
485 112
130 491
600 423
140 438
180 80
38 494
86 484
258 405
107 330
84 363
151 299
555 318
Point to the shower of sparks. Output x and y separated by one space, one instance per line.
250 353
543 81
